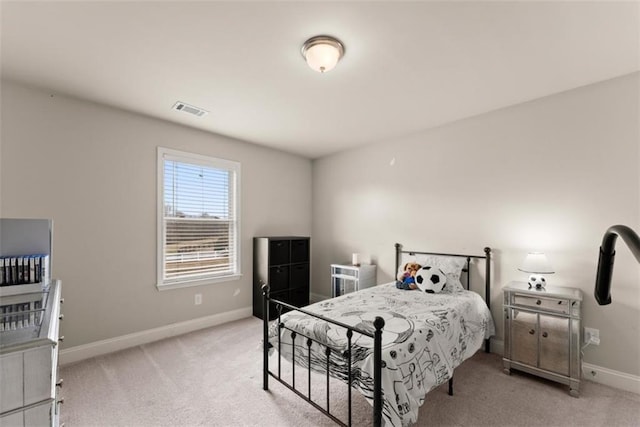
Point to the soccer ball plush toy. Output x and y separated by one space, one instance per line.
537 281
431 280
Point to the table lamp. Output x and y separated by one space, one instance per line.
537 264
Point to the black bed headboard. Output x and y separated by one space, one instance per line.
487 277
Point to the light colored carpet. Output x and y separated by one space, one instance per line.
213 377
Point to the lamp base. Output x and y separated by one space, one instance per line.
537 281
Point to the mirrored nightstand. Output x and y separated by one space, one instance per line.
543 329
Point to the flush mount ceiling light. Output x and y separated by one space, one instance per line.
322 53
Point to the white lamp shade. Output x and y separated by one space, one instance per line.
322 53
536 262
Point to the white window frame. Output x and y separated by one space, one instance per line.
182 156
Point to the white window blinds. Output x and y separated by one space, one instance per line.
199 217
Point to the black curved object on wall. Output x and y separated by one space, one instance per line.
607 255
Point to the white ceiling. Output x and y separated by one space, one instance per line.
407 67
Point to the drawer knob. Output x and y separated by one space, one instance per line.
61 317
538 302
544 334
61 300
59 383
532 331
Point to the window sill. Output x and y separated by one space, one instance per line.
201 282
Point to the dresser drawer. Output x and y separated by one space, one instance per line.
11 389
27 377
555 305
39 374
42 415
15 419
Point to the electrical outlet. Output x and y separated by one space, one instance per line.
592 336
198 299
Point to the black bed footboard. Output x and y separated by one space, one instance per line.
349 330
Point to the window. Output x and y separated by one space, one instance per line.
198 211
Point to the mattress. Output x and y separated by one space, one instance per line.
426 336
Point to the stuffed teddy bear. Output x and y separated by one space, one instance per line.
407 279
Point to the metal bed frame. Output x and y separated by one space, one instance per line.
376 336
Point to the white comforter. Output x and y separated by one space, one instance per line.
425 337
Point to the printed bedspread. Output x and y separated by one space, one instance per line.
425 337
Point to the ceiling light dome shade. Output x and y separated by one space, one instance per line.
322 53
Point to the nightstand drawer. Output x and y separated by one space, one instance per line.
556 305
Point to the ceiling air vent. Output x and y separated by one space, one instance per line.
190 109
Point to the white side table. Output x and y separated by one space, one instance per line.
351 278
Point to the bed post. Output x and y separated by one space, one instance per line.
487 291
265 337
398 249
378 323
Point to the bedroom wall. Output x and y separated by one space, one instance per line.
549 175
92 169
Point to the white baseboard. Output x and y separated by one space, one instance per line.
611 378
98 348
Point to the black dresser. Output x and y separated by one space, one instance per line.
283 263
